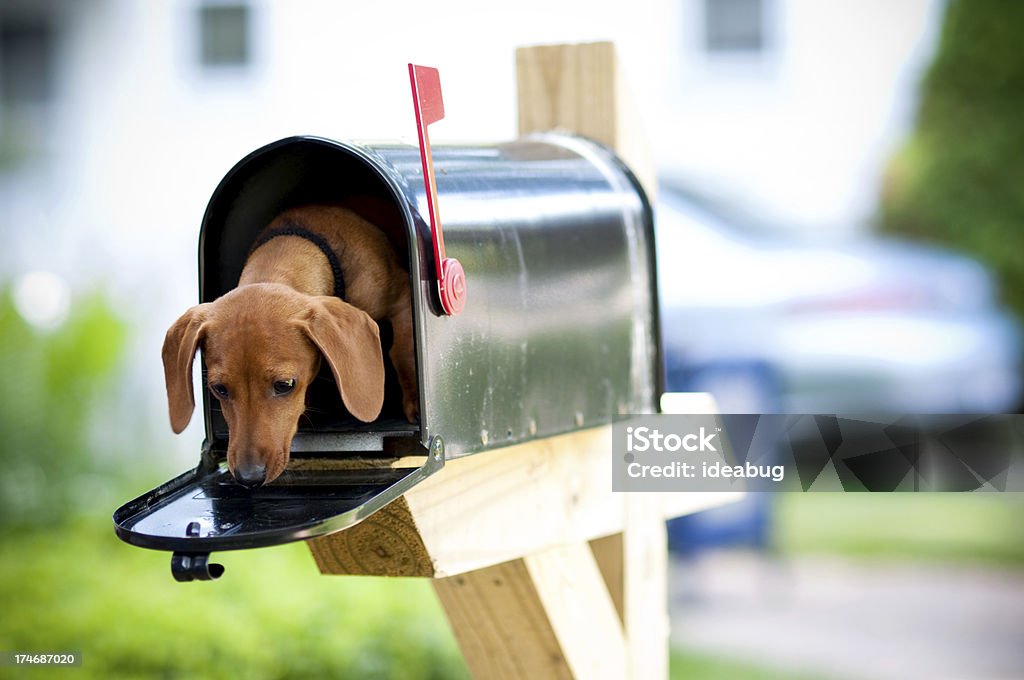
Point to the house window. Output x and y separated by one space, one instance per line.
224 38
27 84
734 26
26 63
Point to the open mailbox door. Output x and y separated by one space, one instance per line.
206 510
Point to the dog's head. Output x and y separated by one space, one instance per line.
263 344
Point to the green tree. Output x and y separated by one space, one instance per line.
960 178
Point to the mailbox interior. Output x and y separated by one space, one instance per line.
289 173
203 509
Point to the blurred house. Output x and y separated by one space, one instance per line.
794 104
107 105
119 117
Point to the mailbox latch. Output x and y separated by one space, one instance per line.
188 566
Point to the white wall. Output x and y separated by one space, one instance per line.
805 129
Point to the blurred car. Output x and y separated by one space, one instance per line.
772 323
768 322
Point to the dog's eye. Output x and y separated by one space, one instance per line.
284 386
219 389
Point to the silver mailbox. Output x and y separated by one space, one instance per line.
559 330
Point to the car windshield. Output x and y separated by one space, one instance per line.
722 210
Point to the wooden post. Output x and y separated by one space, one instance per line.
546 615
580 88
543 571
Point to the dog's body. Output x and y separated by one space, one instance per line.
264 340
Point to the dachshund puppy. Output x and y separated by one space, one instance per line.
313 288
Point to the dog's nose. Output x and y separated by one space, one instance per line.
250 475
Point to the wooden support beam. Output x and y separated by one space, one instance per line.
645 587
546 615
386 543
639 591
493 507
580 88
608 554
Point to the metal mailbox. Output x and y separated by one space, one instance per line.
559 329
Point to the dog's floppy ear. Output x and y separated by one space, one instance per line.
179 350
350 341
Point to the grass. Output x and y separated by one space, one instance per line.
984 529
686 665
274 616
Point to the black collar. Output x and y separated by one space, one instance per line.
319 241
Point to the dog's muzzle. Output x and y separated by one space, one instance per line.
250 474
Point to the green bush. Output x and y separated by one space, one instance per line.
272 616
55 386
960 178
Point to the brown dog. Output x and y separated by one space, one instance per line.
264 340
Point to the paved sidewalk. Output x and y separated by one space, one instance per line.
858 620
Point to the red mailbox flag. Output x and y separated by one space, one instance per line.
429 107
